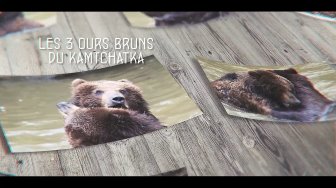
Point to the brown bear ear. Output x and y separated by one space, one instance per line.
286 71
291 71
255 73
125 80
77 82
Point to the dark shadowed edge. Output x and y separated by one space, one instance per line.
4 144
179 172
2 174
177 25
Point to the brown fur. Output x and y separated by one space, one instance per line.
85 126
173 18
91 118
83 94
284 94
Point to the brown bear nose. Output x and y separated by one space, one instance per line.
118 100
114 100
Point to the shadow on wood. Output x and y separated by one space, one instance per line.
178 172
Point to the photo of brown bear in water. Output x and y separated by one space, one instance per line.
92 107
283 94
106 111
304 93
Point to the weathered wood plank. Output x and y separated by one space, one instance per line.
88 161
214 143
70 163
319 35
25 165
63 31
292 23
280 144
8 164
103 26
5 69
167 149
328 140
43 55
22 55
296 50
46 163
80 28
202 95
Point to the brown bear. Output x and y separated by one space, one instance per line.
106 111
173 18
15 21
283 94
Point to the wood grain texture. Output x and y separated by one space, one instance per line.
211 144
5 66
22 56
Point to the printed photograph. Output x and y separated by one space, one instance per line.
18 22
300 93
89 108
160 19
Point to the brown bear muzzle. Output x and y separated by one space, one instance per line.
115 100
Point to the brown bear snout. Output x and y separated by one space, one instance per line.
114 100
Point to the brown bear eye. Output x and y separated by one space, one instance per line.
98 92
123 91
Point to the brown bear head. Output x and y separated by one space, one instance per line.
111 94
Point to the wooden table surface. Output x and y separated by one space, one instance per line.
213 143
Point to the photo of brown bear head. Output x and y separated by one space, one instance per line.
283 94
109 94
106 111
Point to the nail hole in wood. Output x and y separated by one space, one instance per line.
175 68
